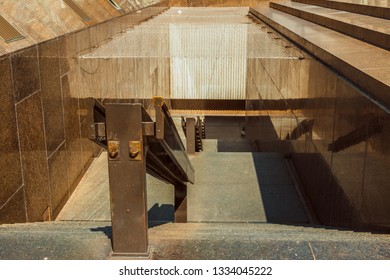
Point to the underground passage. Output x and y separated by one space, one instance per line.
164 130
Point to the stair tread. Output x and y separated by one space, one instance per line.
191 229
376 8
368 3
91 240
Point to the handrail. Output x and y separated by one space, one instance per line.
163 132
169 138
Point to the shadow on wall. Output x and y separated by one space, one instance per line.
161 214
339 140
328 199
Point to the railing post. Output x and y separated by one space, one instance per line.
127 179
190 135
181 203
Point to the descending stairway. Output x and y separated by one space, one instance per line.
243 205
355 45
373 8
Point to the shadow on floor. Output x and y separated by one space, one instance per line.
280 199
157 215
161 214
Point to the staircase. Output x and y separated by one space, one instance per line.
348 36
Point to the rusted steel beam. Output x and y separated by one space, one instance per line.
190 135
181 203
127 177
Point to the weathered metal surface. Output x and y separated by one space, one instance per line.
136 145
100 129
127 180
135 150
169 140
113 150
190 135
148 128
181 203
200 132
96 118
158 103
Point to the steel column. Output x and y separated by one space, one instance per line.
181 203
190 135
127 176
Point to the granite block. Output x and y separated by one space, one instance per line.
34 160
14 211
72 134
10 167
25 71
59 187
51 95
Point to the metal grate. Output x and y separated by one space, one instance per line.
8 32
77 9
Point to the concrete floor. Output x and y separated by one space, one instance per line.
235 185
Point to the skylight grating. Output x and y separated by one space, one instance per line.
8 32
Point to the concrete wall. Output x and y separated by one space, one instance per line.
337 139
43 144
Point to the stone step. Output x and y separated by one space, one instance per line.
51 240
375 8
372 30
92 240
261 230
363 64
263 241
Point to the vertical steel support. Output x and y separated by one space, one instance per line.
127 177
190 135
181 203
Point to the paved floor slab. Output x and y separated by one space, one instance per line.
246 187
